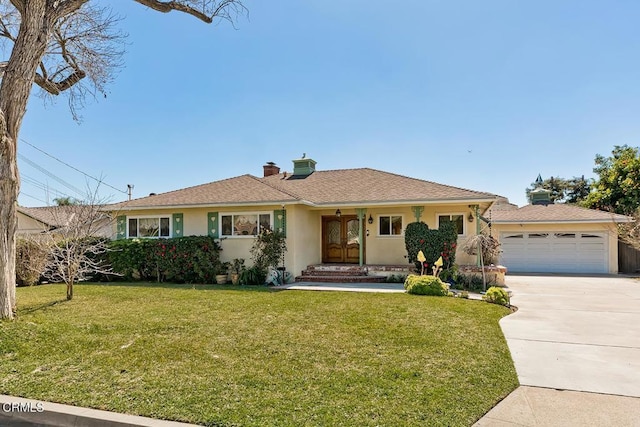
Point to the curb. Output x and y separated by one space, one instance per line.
19 411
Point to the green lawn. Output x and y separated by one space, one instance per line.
232 356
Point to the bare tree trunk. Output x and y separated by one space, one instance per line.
70 291
29 47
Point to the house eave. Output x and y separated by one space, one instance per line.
564 221
203 205
372 203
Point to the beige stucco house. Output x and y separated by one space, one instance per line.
358 217
350 216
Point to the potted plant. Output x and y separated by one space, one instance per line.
221 273
237 267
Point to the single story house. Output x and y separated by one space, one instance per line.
349 216
358 217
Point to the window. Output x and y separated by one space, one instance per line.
152 226
565 235
244 224
390 225
538 235
457 219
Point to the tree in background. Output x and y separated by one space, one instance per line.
574 190
67 47
618 186
66 201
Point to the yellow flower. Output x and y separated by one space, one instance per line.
439 262
421 257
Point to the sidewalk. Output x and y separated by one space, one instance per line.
19 412
537 407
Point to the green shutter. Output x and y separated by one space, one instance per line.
212 224
178 225
280 221
121 227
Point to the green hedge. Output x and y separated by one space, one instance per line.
433 244
194 259
426 285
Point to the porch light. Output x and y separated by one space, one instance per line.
338 213
470 217
370 220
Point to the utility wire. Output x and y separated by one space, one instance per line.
22 193
73 167
46 172
41 186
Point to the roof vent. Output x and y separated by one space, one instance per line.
270 169
303 167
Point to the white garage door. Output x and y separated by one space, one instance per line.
559 252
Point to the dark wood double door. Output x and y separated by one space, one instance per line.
340 239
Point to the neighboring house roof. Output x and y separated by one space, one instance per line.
554 213
51 216
334 187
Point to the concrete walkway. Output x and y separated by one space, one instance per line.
572 333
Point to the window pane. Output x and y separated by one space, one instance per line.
148 227
442 219
227 227
245 225
133 227
164 227
458 220
396 225
385 226
265 222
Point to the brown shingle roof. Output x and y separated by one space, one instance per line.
367 185
320 188
244 189
53 216
554 213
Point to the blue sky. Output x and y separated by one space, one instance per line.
480 95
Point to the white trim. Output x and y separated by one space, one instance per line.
246 213
170 217
387 236
450 214
563 221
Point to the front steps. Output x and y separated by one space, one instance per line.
338 273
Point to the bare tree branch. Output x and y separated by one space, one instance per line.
204 10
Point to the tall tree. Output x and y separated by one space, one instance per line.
65 47
618 185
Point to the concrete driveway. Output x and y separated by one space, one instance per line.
576 333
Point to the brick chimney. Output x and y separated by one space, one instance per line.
270 169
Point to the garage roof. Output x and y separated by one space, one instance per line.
554 213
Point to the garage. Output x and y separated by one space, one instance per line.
556 238
555 251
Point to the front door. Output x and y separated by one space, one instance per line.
340 239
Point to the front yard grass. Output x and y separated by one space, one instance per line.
234 356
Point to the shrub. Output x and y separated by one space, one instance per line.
496 295
31 260
433 244
253 276
268 249
426 285
193 259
